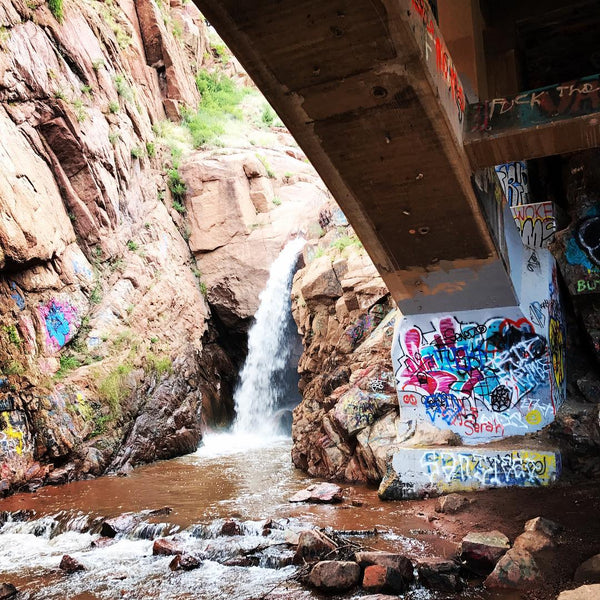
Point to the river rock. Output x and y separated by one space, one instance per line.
585 592
588 571
231 528
481 551
320 493
68 564
334 576
185 562
542 525
378 578
124 523
452 503
165 547
7 591
103 542
533 542
398 562
515 569
313 546
439 574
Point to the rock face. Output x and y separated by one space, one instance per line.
346 423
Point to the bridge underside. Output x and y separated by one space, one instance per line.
351 82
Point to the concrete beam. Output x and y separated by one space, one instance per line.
552 120
369 91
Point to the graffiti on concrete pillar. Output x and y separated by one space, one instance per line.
514 181
536 223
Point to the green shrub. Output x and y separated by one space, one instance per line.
180 208
67 363
137 152
150 149
14 368
98 64
96 295
268 115
219 93
113 389
122 87
56 8
276 200
131 245
176 185
113 107
158 364
267 166
344 241
13 335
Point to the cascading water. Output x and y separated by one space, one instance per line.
260 391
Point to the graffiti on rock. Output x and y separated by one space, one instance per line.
61 320
12 432
477 379
514 181
7 404
17 296
588 238
365 325
355 410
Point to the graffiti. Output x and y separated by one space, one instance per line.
533 263
557 351
536 223
355 410
434 45
536 313
534 417
587 285
16 296
489 468
81 267
514 181
536 107
365 325
467 376
61 320
381 383
588 238
11 433
7 404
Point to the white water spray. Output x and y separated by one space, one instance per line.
256 397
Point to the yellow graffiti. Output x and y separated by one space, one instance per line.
557 349
13 434
534 417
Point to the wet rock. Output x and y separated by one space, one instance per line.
439 574
379 597
542 525
585 592
313 546
589 571
334 576
482 551
398 562
320 493
452 503
378 578
165 547
242 561
122 524
185 562
7 590
103 542
291 537
516 569
158 512
68 564
231 528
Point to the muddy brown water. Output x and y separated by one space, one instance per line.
233 478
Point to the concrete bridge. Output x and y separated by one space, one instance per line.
418 117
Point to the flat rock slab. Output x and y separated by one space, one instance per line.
320 493
585 592
452 503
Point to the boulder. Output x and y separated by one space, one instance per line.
231 528
542 525
334 576
122 524
585 592
7 590
398 562
515 569
103 542
320 493
439 574
482 551
589 571
313 546
165 547
452 503
533 541
320 281
378 578
185 562
68 564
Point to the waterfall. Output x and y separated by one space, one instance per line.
259 392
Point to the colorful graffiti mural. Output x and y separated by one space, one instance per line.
60 320
451 470
477 379
12 432
514 181
16 295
